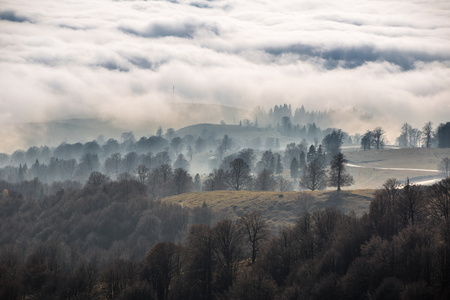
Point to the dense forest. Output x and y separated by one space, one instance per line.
108 240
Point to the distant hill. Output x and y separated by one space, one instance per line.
280 209
236 131
55 132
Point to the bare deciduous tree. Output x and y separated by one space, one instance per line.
239 174
427 137
379 139
265 181
314 176
142 172
256 231
228 251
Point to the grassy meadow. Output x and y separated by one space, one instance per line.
280 209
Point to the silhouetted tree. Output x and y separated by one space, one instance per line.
410 206
216 180
239 174
279 167
159 131
201 261
379 139
97 179
265 181
267 161
294 169
165 171
338 175
381 210
162 264
197 183
314 176
443 135
302 161
256 231
190 152
181 181
427 131
228 252
248 155
142 173
332 143
366 140
404 138
226 143
114 279
311 153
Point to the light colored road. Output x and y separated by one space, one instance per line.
421 182
393 169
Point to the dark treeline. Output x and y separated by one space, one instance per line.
54 247
107 241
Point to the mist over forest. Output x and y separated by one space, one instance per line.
224 149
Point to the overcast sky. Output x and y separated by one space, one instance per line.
121 59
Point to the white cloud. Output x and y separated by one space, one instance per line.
120 59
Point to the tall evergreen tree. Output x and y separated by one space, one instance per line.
302 163
443 135
279 167
294 169
338 175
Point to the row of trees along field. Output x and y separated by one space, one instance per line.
307 165
236 171
93 244
413 137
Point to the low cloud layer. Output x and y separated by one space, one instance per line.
129 62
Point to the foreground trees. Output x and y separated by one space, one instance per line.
108 240
256 231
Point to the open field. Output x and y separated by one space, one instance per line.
280 209
374 167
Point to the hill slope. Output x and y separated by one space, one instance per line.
235 131
280 209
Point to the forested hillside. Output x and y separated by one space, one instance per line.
107 240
